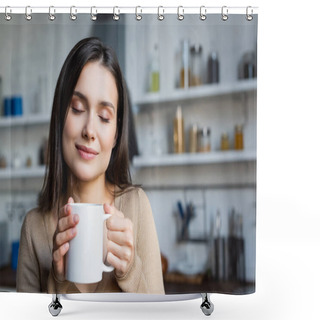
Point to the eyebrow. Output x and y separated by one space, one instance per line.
102 103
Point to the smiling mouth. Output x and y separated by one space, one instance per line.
86 153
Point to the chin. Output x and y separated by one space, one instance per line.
85 176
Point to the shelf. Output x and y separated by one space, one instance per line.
204 91
29 120
33 172
194 158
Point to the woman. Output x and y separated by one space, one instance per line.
88 162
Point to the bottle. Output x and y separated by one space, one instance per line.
238 137
155 71
204 139
178 132
196 65
249 66
213 68
224 144
185 69
193 139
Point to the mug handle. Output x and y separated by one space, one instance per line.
106 268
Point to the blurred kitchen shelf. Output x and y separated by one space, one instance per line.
33 172
20 121
194 158
198 92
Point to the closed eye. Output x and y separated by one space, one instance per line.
76 111
106 120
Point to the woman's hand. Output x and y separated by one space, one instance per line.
66 230
120 244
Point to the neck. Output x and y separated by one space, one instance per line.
97 191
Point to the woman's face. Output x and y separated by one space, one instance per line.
90 130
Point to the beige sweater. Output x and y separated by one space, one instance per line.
34 272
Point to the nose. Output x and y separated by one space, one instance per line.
88 131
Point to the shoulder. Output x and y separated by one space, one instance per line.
134 202
33 221
135 195
32 216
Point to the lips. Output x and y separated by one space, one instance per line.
86 153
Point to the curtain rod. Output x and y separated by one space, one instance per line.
161 11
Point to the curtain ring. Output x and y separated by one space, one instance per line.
224 13
73 13
138 16
93 16
116 15
160 15
7 12
180 15
203 13
52 11
249 16
28 13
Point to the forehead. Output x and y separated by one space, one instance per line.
96 82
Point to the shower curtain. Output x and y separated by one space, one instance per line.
191 81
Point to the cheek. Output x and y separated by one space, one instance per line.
109 140
70 128
67 134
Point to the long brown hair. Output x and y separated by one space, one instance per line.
117 173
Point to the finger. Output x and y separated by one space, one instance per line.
112 210
120 265
117 223
60 253
68 222
66 209
63 237
70 200
121 238
122 252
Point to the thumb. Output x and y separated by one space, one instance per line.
108 208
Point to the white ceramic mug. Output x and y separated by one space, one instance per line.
84 259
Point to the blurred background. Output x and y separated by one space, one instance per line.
193 95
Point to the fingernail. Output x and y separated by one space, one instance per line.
75 218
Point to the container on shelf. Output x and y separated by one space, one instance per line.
178 132
224 143
155 71
213 68
196 65
185 65
193 138
204 139
238 137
